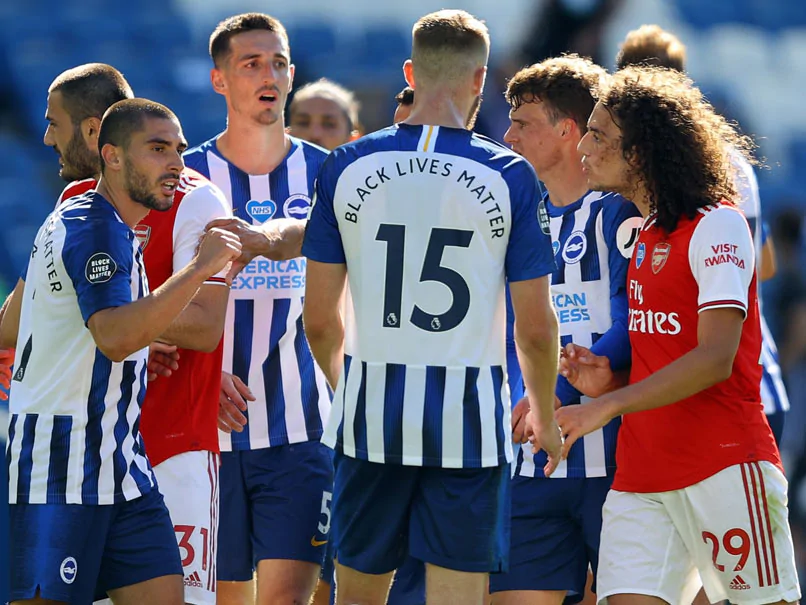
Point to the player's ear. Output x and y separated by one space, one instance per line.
479 77
90 127
291 71
217 80
408 73
112 157
355 134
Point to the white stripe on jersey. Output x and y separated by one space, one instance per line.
428 139
413 409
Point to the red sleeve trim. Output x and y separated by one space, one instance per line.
215 280
717 304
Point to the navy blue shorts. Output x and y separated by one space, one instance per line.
776 420
556 525
453 518
275 504
74 553
408 587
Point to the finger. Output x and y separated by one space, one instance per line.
244 390
169 361
3 396
223 426
235 268
570 440
221 222
229 423
518 432
227 408
162 347
551 465
230 393
152 376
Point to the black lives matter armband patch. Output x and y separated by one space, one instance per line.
543 217
100 268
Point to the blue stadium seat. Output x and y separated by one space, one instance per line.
313 41
704 14
383 49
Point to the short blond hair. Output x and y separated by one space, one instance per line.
449 44
652 46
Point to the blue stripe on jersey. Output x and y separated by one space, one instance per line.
96 406
278 185
393 413
242 334
471 412
12 432
432 415
139 448
273 373
241 193
121 428
348 360
589 265
566 228
59 456
307 376
26 460
359 426
501 436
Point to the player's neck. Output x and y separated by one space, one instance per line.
640 197
130 211
438 108
565 181
252 148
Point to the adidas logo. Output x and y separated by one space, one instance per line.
195 581
739 584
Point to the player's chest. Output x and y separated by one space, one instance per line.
257 199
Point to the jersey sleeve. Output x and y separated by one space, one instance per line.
621 225
529 253
98 257
322 241
722 259
199 206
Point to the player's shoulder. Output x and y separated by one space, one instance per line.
88 215
616 206
311 151
196 157
76 188
715 222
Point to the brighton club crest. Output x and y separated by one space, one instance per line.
660 254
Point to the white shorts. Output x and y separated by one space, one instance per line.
189 484
732 528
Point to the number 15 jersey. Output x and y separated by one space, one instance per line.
430 221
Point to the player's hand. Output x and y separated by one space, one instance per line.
232 402
519 413
254 242
162 360
576 421
216 249
589 373
6 362
546 436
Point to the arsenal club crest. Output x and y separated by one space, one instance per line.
660 253
143 233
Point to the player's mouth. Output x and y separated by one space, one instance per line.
268 98
168 186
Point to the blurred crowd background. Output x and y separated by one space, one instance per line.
749 56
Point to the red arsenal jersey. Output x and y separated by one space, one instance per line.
705 263
180 413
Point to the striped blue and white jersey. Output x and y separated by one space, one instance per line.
73 433
773 391
592 241
430 222
264 343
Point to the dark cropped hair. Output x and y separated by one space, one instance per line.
679 146
125 118
649 45
238 24
88 90
568 86
405 96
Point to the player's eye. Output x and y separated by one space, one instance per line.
280 64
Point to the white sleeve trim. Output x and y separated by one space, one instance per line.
722 259
201 205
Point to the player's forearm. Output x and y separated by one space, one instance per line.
121 331
283 239
695 371
201 323
538 354
327 345
10 316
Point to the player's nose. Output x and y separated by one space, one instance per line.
509 137
48 139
